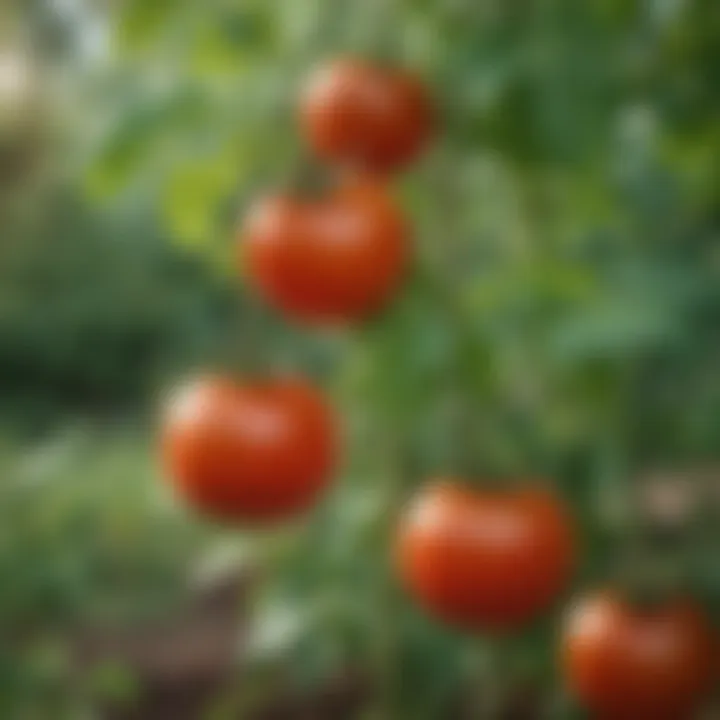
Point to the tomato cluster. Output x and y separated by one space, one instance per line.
256 451
482 559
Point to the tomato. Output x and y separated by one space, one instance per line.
375 118
335 257
626 663
248 452
488 560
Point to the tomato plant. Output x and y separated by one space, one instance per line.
554 282
249 452
374 117
627 662
485 559
335 257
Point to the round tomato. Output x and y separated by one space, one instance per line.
626 663
372 117
336 257
485 559
248 452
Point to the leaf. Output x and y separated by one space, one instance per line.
112 169
142 21
140 136
616 328
225 42
529 285
192 196
410 349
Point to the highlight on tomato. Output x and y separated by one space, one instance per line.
369 116
625 661
488 560
333 257
250 452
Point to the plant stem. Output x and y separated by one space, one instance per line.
388 632
248 349
444 277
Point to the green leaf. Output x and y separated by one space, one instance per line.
226 42
139 137
192 196
617 328
141 21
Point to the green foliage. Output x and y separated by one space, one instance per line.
88 540
94 312
570 206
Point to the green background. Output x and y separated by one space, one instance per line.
570 203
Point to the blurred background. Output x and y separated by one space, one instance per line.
576 183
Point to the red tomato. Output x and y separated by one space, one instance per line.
251 452
626 663
485 559
375 118
333 258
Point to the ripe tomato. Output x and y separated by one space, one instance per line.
626 663
375 118
485 559
332 258
252 452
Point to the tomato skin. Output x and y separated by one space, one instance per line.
332 259
624 663
252 452
378 119
485 560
